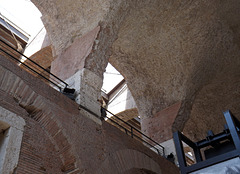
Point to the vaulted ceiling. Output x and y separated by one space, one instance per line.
167 50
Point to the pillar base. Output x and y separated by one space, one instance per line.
88 90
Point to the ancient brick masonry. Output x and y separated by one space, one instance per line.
38 154
59 138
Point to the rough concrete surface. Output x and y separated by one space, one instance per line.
167 50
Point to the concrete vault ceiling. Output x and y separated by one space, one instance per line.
167 50
170 52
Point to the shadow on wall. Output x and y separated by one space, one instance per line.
139 171
129 161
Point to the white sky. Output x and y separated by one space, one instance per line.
25 15
111 78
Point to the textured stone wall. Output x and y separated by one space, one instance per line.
73 58
210 103
11 127
67 20
167 50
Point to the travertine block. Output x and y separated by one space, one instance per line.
87 86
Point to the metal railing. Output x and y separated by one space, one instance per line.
37 69
133 132
34 67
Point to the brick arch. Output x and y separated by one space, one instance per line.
58 138
126 160
38 110
51 126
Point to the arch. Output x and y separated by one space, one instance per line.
57 136
36 106
52 127
108 15
166 50
58 16
156 52
126 160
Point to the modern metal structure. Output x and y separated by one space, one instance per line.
216 154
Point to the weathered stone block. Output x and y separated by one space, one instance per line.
10 140
87 86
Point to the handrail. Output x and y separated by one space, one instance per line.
30 68
160 149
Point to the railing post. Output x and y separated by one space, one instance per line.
126 131
163 151
132 132
158 152
136 136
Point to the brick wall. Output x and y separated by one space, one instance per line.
38 154
60 138
159 127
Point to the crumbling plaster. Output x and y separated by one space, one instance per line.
167 50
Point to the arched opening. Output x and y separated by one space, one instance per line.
118 100
111 78
23 35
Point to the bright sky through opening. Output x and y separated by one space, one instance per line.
25 15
